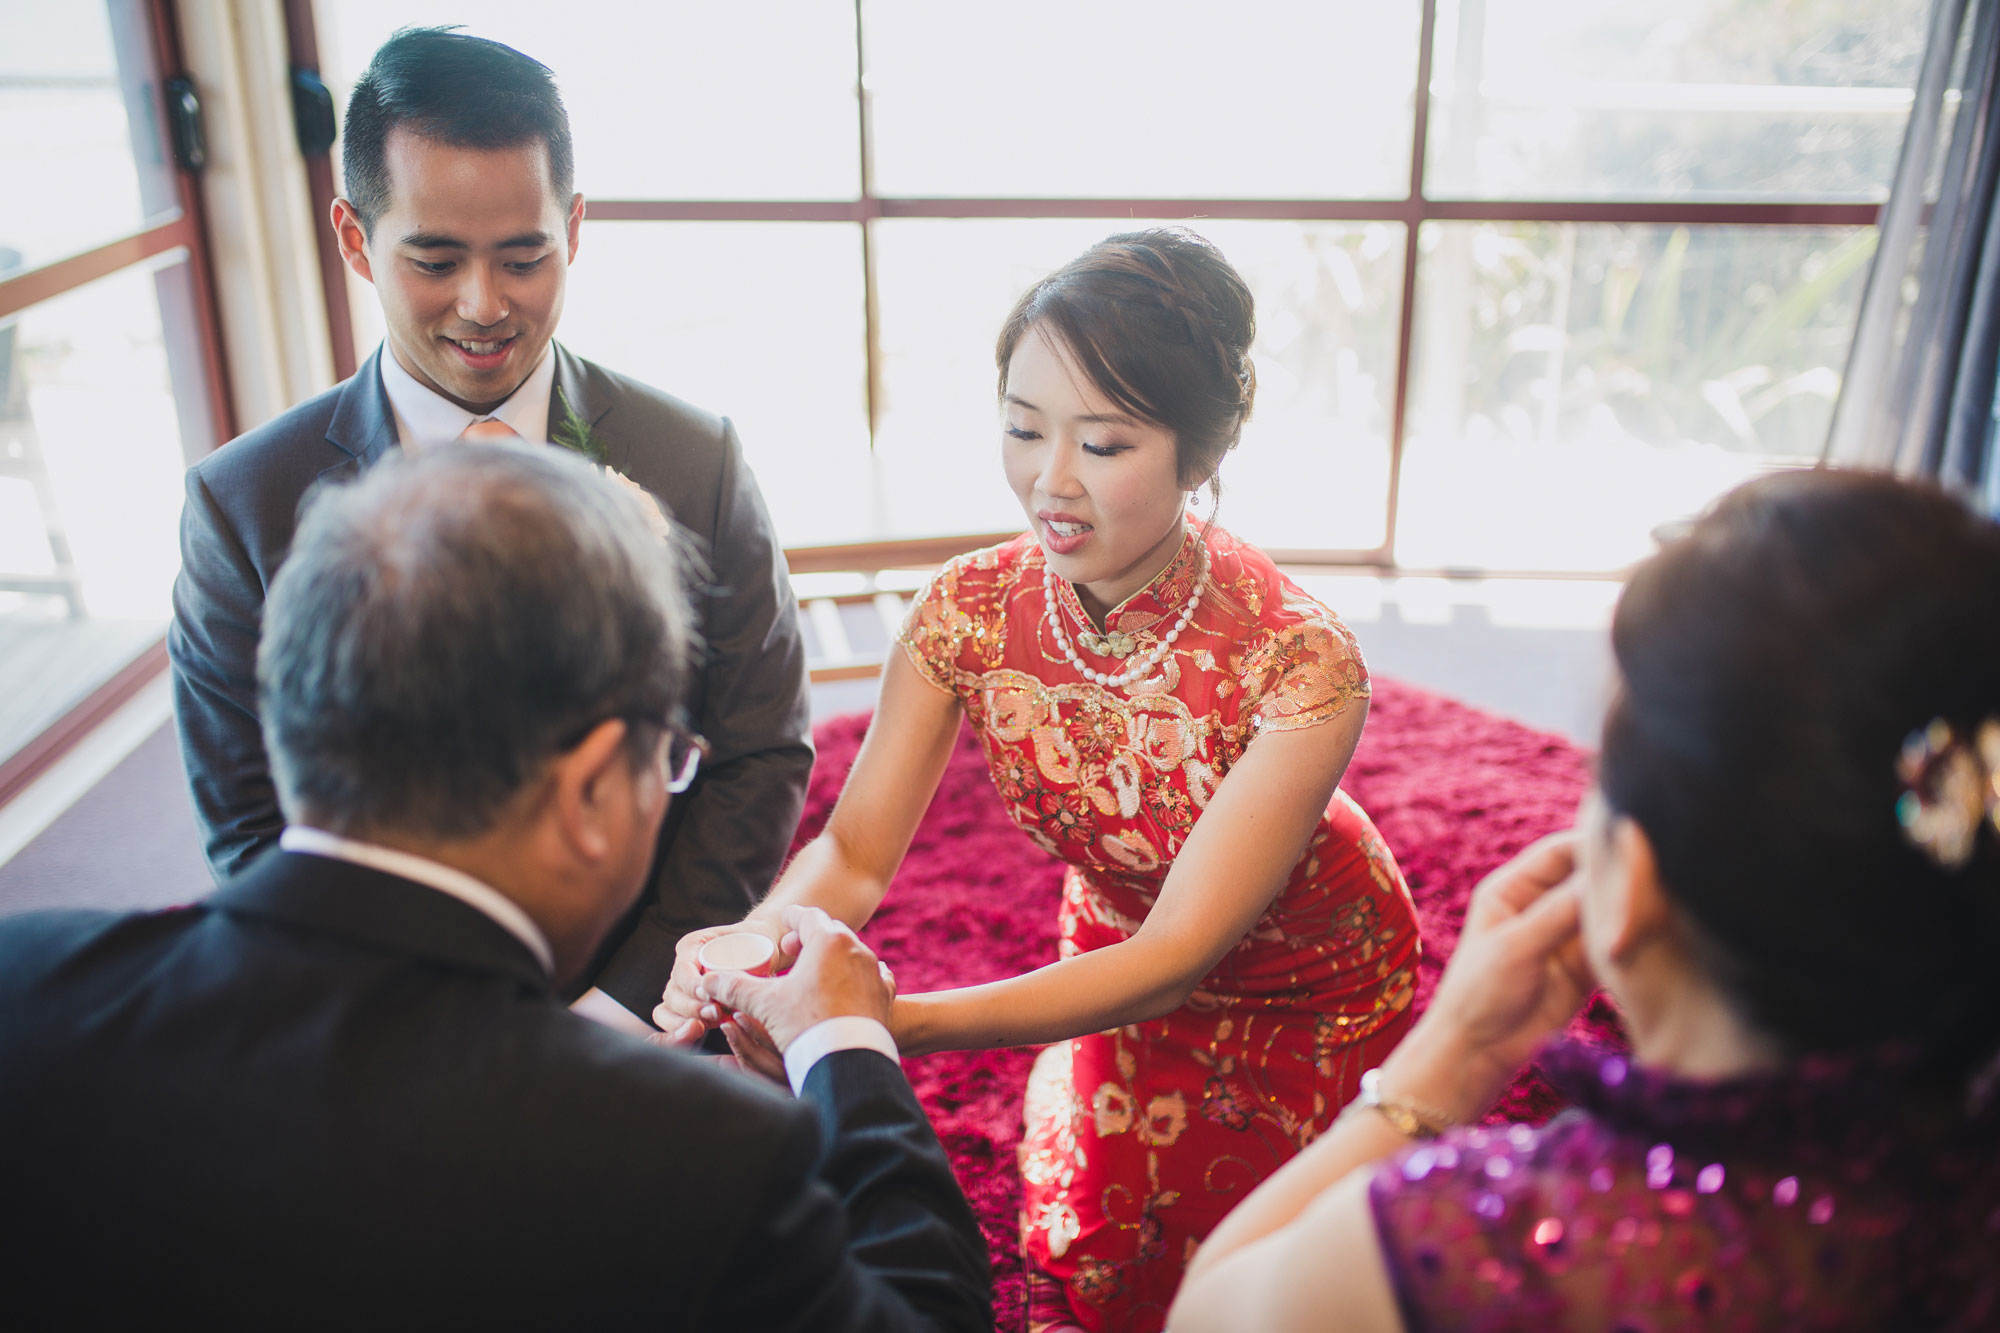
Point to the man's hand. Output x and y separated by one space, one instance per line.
835 976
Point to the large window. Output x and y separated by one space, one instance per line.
1534 276
110 373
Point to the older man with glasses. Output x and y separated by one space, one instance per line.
343 1090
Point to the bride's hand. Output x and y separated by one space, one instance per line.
754 1051
680 1015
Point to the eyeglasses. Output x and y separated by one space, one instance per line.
685 752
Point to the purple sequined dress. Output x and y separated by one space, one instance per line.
1826 1197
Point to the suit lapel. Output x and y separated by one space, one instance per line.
377 910
362 426
579 390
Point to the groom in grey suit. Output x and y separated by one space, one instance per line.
460 210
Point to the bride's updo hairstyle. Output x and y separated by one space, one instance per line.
1160 324
1774 661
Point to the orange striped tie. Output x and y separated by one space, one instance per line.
492 428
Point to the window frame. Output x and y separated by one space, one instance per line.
186 230
1411 211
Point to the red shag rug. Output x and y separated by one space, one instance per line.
1454 791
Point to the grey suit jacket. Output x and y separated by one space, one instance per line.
723 840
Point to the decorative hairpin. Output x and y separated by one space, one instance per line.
1952 789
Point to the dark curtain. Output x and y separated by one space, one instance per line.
1919 393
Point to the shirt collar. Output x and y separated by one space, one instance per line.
425 416
503 911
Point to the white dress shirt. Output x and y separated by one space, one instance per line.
504 911
849 1032
846 1033
424 416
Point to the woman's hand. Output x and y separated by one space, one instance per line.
1517 976
763 1063
678 1002
846 870
753 1049
1304 1242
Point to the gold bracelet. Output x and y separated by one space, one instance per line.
1412 1120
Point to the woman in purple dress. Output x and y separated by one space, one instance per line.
1789 882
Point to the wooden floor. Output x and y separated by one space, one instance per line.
48 664
130 844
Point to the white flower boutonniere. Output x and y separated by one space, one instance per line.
656 517
574 434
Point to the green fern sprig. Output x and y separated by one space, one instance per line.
573 432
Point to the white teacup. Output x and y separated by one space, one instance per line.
739 951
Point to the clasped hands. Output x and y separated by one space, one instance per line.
824 971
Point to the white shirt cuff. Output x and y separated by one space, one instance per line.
594 1004
849 1032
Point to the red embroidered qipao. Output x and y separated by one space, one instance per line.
1140 1139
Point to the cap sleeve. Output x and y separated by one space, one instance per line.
1306 674
936 628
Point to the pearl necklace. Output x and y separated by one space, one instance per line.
1152 659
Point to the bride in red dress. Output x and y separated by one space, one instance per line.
1167 713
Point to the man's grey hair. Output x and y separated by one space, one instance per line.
453 620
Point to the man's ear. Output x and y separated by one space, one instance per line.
575 225
1636 904
586 786
352 238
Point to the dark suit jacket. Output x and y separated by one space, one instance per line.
723 841
329 1097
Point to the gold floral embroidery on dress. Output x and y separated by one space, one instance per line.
1305 675
1069 758
1049 1154
1112 1109
1166 1120
936 629
1139 1138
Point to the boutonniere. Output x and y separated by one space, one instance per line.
574 434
